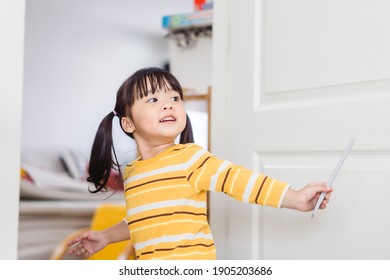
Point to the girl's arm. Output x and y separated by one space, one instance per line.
306 198
91 242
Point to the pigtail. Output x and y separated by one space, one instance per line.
187 135
101 161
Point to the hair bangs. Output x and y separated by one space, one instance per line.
149 80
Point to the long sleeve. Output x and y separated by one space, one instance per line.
209 173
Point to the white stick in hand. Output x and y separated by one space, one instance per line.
334 174
75 244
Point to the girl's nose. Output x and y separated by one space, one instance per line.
167 107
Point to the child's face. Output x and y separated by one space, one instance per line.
158 118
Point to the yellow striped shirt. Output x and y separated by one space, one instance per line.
166 200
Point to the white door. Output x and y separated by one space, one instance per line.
294 81
12 26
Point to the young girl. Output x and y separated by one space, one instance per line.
165 188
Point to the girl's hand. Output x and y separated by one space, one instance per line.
87 244
306 198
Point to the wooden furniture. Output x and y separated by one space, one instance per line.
190 95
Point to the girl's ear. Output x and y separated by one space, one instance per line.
127 125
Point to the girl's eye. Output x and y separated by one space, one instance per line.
152 100
176 98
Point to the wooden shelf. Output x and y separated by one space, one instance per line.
191 95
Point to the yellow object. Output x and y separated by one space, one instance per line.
105 216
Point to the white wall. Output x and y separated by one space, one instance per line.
192 65
77 53
11 71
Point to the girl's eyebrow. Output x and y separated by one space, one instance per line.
167 89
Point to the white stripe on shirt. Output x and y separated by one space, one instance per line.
214 178
249 187
172 238
167 203
165 169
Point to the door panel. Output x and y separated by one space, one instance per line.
354 221
301 81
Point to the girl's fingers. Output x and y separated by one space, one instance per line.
76 240
325 201
75 246
81 251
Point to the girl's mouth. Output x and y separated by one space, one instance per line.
168 119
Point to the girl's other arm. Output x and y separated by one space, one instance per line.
305 199
91 242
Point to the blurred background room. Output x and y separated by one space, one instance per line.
76 54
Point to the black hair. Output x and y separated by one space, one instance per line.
103 158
